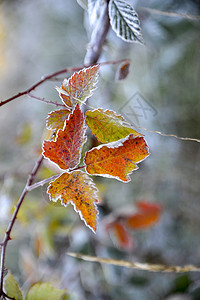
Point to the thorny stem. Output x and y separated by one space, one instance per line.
13 219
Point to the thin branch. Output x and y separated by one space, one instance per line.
14 217
48 77
170 14
170 135
46 101
34 86
136 265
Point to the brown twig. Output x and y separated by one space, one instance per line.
34 86
48 77
13 219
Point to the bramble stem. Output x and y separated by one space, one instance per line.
13 219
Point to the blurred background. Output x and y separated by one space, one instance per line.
161 93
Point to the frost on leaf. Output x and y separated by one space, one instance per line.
78 188
117 159
79 87
107 126
56 119
124 21
65 151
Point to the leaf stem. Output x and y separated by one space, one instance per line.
46 180
46 101
13 219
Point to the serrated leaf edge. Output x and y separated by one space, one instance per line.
80 150
66 82
69 110
117 144
93 186
118 118
138 38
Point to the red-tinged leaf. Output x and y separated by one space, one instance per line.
123 71
79 87
56 119
147 216
65 151
117 159
148 207
78 188
123 238
107 126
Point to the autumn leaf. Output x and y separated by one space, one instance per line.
117 159
66 149
107 126
123 237
56 119
79 86
78 188
148 214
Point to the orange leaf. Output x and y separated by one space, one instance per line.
117 159
124 239
79 86
147 216
78 188
66 149
148 207
56 119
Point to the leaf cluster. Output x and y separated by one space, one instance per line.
117 157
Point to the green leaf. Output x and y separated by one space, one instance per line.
12 288
124 21
44 291
107 126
